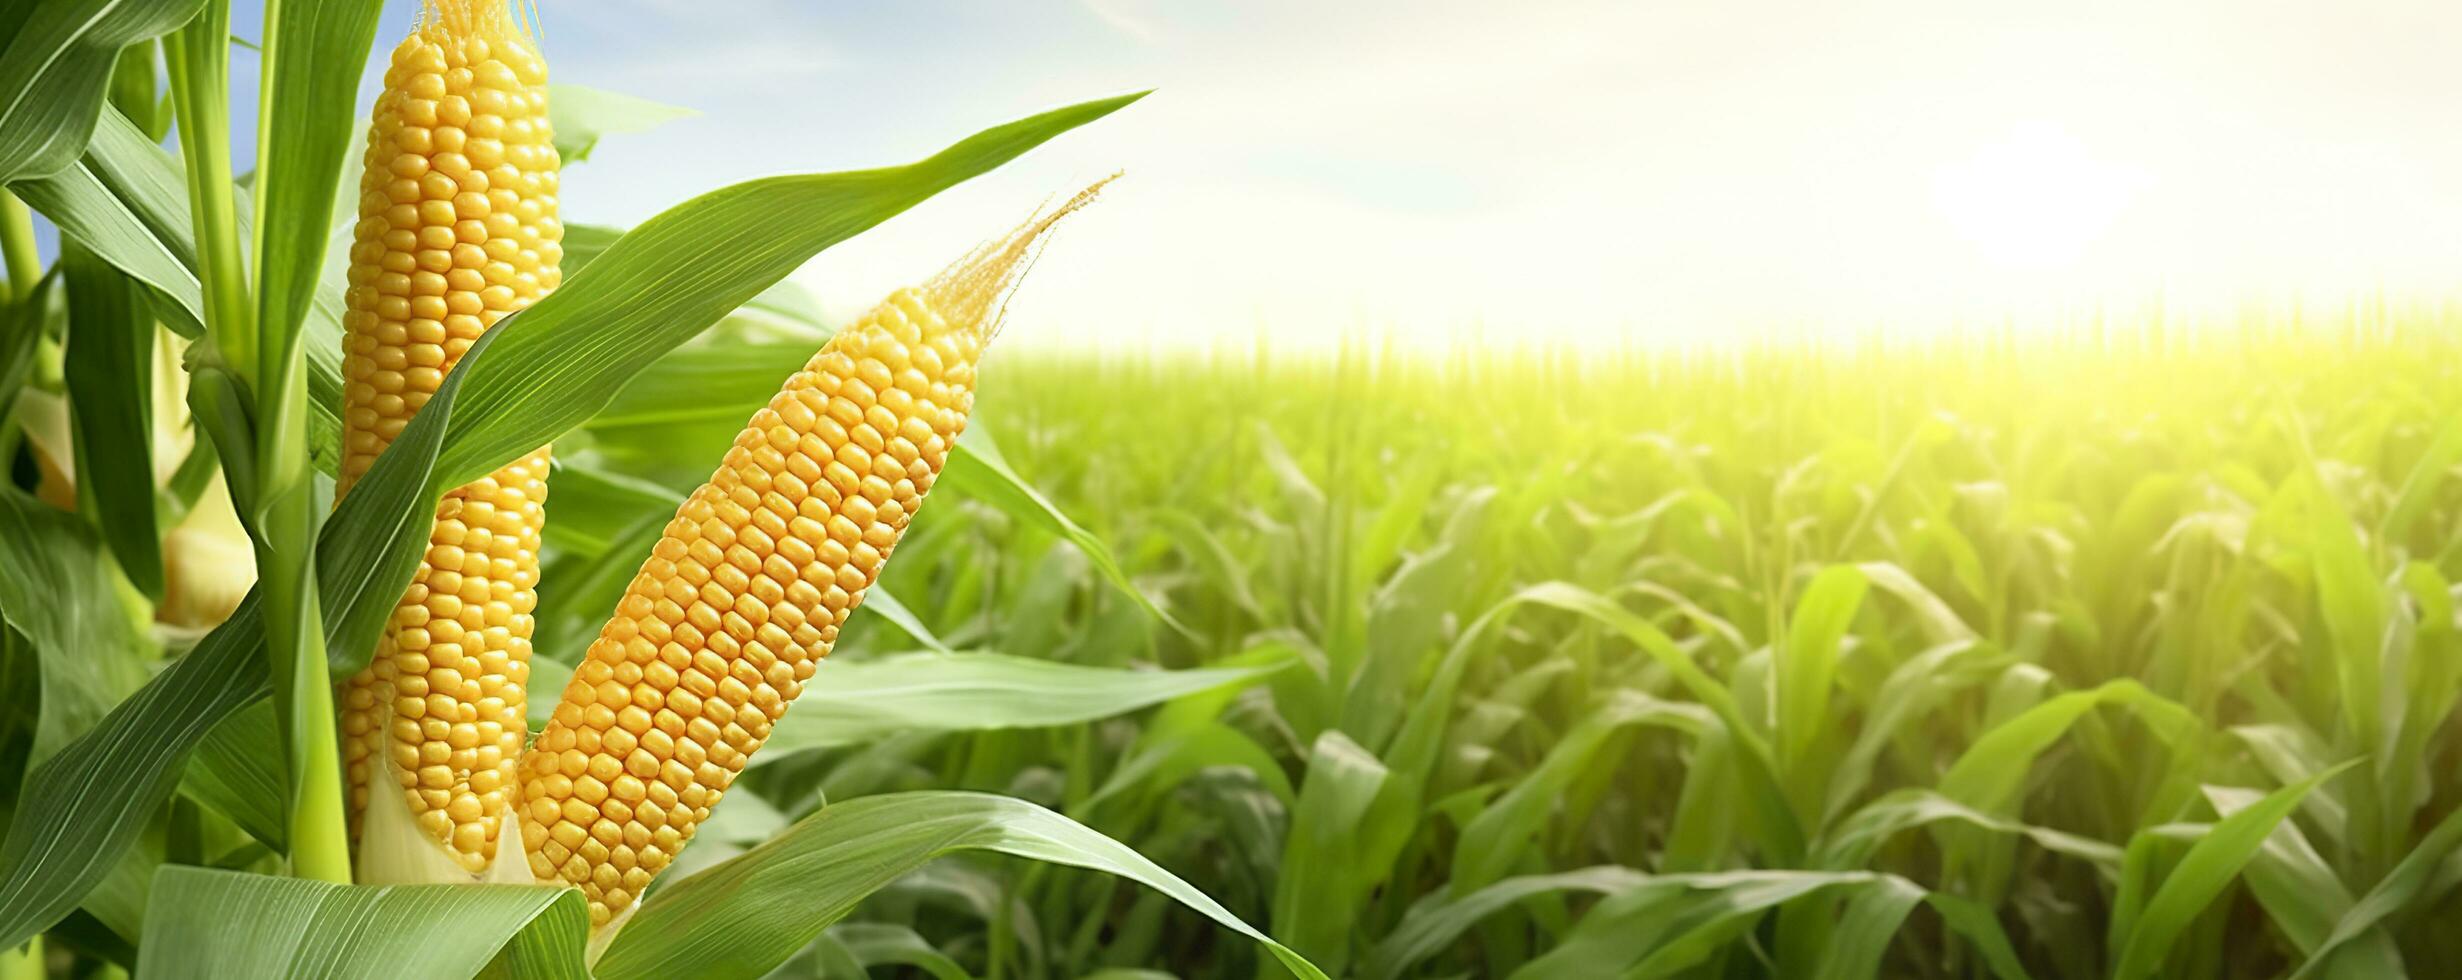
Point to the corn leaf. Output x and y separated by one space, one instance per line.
1864 931
785 300
2210 866
1911 691
886 605
86 805
1415 746
87 210
2419 488
1162 762
55 73
23 333
2391 895
978 467
858 701
596 507
1809 661
1437 921
1186 735
1674 922
882 944
707 383
1992 771
1859 837
1881 903
1704 830
313 65
235 772
56 588
1979 924
2288 752
1503 832
745 916
109 368
867 700
1940 623
2352 602
224 924
1353 817
684 411
2301 893
581 116
1406 619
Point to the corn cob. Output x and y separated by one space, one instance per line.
747 588
457 229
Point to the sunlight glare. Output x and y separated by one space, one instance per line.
2036 199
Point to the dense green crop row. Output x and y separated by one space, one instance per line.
2055 658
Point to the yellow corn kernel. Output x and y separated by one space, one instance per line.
744 593
457 229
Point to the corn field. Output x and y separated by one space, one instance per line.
398 581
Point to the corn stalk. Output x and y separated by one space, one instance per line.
264 436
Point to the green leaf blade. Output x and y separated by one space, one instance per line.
747 915
225 924
56 71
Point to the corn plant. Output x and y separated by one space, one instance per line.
347 430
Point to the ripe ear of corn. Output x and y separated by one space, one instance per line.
457 229
747 588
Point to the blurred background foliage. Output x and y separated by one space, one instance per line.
2119 652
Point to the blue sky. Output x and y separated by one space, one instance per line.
1447 169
